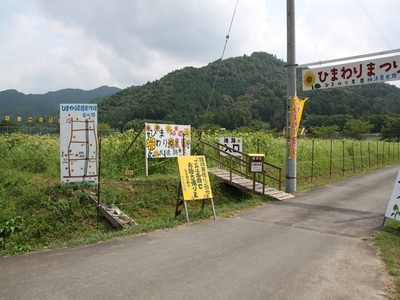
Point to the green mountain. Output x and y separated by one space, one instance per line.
249 91
247 88
16 104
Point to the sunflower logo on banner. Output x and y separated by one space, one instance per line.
309 80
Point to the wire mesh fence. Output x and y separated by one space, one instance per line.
339 158
44 130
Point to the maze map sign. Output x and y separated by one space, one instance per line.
78 143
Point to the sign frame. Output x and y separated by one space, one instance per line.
376 70
233 145
194 183
166 141
78 144
393 208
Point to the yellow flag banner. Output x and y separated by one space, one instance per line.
296 110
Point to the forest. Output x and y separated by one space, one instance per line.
250 91
15 104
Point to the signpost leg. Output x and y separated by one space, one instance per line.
254 185
213 208
186 211
179 201
98 184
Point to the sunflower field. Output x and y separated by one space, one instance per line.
38 212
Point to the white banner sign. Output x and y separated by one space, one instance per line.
165 140
393 209
358 73
230 146
78 143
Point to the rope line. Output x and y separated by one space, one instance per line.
220 63
216 75
374 23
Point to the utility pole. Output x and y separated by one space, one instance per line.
291 94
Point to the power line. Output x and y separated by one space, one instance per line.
374 23
220 62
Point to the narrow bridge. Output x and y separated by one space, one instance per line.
233 169
247 184
112 214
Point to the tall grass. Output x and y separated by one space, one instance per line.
36 211
318 160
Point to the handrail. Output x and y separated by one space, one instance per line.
236 163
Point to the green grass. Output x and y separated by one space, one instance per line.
37 212
388 241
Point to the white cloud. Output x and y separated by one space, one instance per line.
51 45
343 29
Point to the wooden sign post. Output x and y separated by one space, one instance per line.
194 183
256 165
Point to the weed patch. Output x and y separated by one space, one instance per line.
388 241
37 212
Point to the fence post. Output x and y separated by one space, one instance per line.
393 152
352 150
312 160
343 158
377 153
330 161
383 153
362 164
393 159
369 155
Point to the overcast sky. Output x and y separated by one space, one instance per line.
48 45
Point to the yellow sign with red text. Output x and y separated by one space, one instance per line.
194 178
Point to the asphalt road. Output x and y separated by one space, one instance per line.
308 247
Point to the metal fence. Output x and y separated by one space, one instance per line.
29 129
339 158
44 130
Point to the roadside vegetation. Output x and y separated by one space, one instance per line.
37 212
388 241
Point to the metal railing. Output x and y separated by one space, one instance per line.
236 162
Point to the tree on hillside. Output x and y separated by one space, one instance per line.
357 129
210 128
278 120
136 124
240 115
104 128
249 88
391 129
377 121
324 132
326 121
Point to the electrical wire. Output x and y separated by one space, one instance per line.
219 66
374 23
